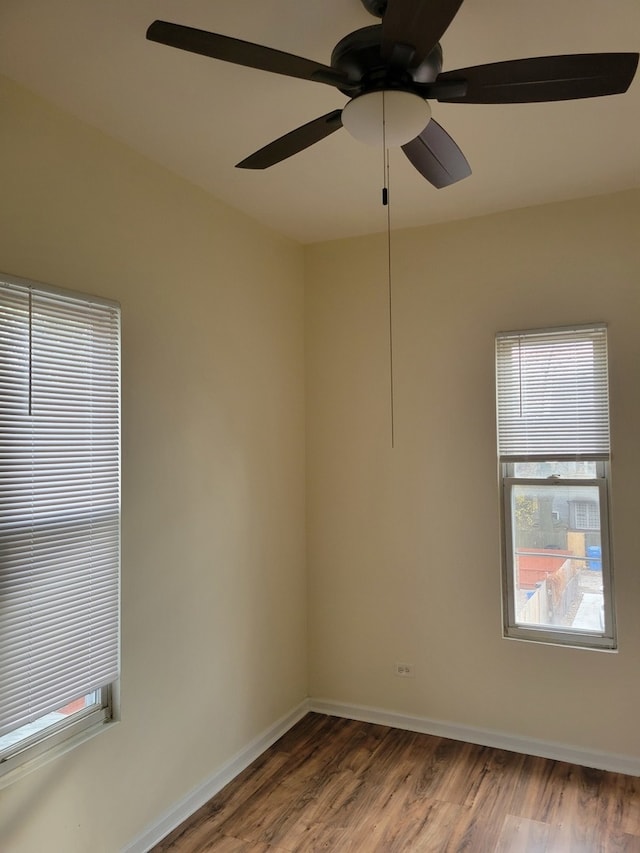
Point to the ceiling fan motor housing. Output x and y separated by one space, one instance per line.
359 56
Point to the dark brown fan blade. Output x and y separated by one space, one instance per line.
437 157
544 78
419 24
291 143
244 53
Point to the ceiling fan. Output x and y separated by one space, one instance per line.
391 70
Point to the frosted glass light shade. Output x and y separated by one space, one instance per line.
405 116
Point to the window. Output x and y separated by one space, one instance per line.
584 515
59 518
553 447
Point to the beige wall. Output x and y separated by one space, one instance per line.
403 544
213 582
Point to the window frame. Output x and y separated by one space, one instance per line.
521 443
581 638
50 741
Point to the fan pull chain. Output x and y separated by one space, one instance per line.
386 203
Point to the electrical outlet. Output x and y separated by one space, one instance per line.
404 670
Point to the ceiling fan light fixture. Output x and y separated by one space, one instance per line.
392 116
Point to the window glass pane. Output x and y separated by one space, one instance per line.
570 470
557 557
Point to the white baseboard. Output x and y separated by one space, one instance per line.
214 783
484 737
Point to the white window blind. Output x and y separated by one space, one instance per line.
552 393
59 499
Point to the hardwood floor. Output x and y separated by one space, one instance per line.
340 785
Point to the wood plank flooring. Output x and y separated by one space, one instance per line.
332 784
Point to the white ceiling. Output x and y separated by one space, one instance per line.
198 116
